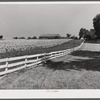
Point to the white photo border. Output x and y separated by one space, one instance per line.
40 94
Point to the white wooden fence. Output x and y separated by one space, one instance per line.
9 65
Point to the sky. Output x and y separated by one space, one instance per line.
36 19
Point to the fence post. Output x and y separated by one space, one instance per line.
63 52
37 58
26 61
38 61
6 69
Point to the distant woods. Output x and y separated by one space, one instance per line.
68 36
96 24
87 34
25 38
1 36
92 34
32 37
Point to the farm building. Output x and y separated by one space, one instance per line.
49 36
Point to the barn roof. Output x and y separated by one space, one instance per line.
49 35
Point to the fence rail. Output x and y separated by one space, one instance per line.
9 65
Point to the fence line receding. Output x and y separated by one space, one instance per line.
8 65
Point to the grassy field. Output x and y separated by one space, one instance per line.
73 74
10 45
33 78
49 46
79 70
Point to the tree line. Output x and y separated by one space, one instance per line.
25 38
69 36
92 34
1 36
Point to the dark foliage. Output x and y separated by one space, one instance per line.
29 38
87 34
1 36
21 37
68 35
15 37
74 37
96 24
18 37
34 37
50 36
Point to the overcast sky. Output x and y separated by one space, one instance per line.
36 19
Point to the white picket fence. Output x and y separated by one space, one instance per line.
9 65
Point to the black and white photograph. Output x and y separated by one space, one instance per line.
49 46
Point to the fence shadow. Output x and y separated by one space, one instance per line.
91 64
91 54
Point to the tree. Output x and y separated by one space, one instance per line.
83 32
1 36
74 37
34 37
57 37
92 34
96 24
21 37
68 35
88 34
29 38
15 37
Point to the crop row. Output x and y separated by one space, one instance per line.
11 45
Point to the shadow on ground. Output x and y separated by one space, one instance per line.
86 54
90 64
